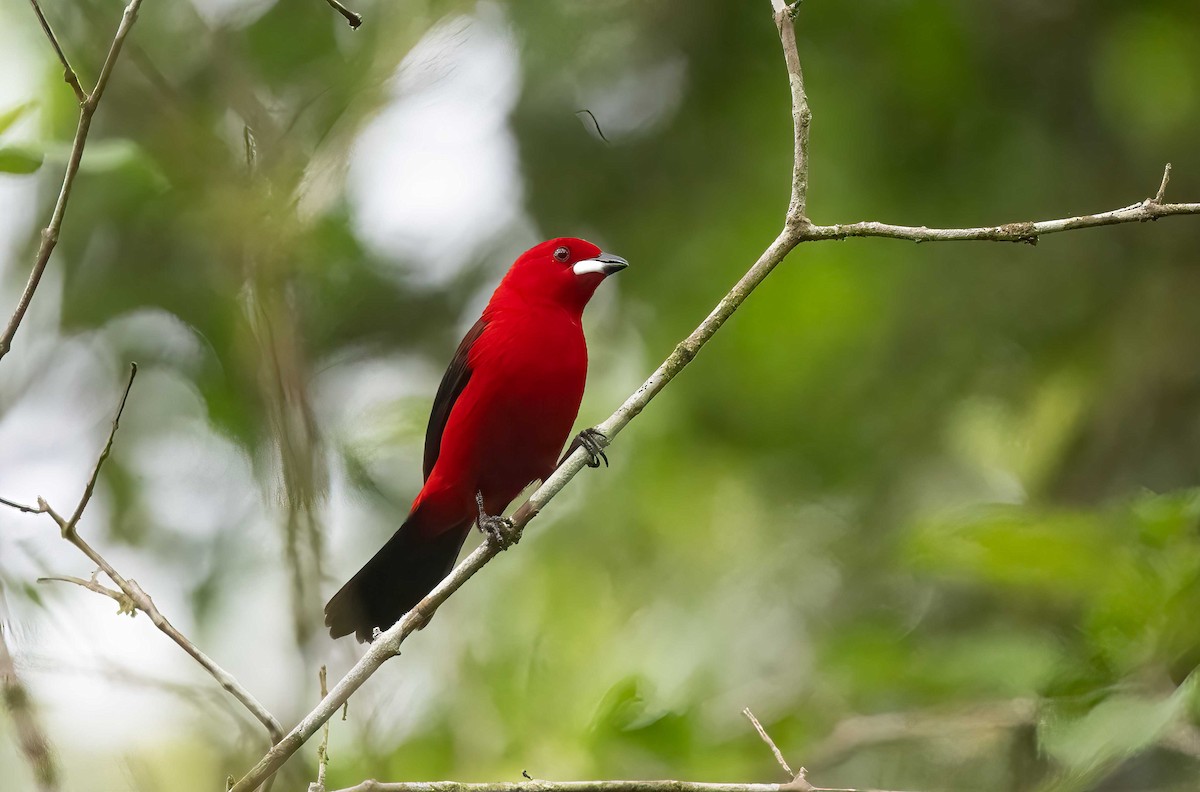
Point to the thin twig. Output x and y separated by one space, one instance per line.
758 727
125 605
355 20
116 423
68 73
801 114
1162 188
114 51
1027 232
87 108
32 738
595 123
323 748
131 596
21 507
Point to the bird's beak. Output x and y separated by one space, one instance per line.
605 264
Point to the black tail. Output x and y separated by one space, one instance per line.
394 580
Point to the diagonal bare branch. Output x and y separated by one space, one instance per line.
758 727
132 597
87 109
128 17
116 423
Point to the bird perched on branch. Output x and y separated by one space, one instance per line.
501 416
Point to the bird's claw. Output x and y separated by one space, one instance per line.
501 532
593 441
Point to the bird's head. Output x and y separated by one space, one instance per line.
563 271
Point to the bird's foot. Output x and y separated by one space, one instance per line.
501 532
594 442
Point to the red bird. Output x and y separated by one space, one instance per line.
499 421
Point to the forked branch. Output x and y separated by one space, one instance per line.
87 108
129 596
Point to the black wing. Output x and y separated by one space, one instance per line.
453 382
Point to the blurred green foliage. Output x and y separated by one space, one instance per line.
927 481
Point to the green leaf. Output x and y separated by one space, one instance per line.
104 156
1063 553
19 159
1169 517
107 156
1118 727
33 594
623 705
13 115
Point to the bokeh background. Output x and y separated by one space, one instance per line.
927 510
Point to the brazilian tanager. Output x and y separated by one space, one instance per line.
500 418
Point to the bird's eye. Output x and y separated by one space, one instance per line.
562 254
